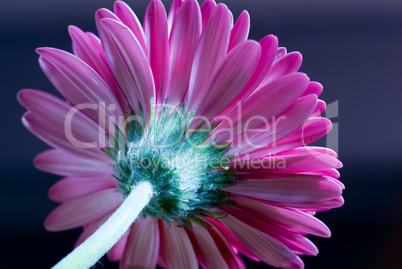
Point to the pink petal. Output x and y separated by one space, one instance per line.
57 113
275 97
206 10
178 250
268 249
91 52
101 14
63 163
295 242
70 188
268 45
287 64
78 82
209 54
128 17
116 252
316 206
287 218
230 78
174 8
129 64
183 42
295 189
55 137
282 125
82 210
240 30
143 245
208 255
156 32
310 131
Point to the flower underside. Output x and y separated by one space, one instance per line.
184 168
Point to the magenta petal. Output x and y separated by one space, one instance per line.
183 42
287 64
209 54
313 88
156 32
66 164
206 10
302 189
240 30
280 52
128 17
229 80
174 8
320 108
143 245
264 246
178 250
82 210
129 64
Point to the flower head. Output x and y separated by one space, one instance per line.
217 123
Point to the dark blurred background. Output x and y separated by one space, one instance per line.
353 47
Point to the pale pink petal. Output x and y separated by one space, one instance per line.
183 42
128 17
206 10
178 250
91 52
208 253
275 97
82 210
209 54
264 246
229 79
240 30
143 245
287 64
156 32
296 189
174 8
129 64
78 82
268 45
70 188
282 125
287 218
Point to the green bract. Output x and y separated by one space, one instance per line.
185 169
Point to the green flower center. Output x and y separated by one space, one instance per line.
185 169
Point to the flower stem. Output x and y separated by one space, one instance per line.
92 249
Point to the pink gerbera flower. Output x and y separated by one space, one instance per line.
215 123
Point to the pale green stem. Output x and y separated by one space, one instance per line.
92 249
